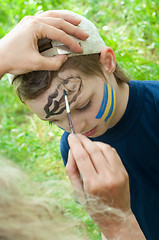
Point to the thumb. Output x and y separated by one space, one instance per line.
50 63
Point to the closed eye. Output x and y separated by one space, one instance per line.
88 105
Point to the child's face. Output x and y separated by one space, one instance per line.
85 96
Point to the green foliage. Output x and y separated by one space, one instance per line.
34 145
12 11
129 27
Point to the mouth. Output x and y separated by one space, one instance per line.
91 132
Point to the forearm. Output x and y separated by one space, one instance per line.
128 229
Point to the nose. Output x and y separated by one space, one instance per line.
79 124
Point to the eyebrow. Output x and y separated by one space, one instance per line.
62 99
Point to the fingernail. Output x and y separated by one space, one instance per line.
71 138
65 59
72 135
87 35
79 134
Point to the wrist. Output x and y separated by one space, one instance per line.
4 66
124 227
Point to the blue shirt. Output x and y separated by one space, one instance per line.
136 139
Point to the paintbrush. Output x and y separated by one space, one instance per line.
72 131
68 112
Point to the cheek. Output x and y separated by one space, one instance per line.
108 104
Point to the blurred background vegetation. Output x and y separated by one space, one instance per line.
130 27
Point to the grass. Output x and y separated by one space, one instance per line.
129 27
34 145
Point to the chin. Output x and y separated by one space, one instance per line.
99 133
96 134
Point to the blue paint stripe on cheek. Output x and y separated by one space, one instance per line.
104 102
111 107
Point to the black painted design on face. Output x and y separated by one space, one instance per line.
73 86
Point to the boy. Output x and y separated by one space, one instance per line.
108 108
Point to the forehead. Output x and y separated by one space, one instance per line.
67 79
70 80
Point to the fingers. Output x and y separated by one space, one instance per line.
103 153
55 29
65 26
82 157
59 14
98 159
47 31
112 156
95 159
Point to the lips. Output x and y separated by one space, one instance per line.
91 132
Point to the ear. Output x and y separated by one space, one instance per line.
108 60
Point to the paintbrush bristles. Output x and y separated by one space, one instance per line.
66 101
68 112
